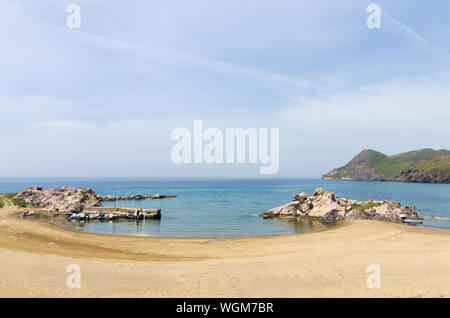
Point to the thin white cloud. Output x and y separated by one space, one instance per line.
166 55
62 126
416 38
413 36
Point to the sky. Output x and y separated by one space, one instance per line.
103 100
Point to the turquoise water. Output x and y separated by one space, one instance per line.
230 207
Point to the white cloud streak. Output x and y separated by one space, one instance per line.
166 56
416 38
413 36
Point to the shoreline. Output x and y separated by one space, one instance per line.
382 180
71 228
329 263
66 234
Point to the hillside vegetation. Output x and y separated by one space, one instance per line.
9 198
436 170
425 165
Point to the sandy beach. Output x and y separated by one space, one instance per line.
414 262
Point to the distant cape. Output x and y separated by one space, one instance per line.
424 165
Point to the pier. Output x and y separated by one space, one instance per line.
123 213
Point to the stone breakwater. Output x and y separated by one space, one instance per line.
326 206
136 197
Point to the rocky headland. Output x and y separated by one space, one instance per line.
65 200
73 200
424 165
325 206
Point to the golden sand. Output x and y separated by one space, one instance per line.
414 262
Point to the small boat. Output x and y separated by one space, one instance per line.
144 214
412 221
92 216
78 216
111 216
130 216
101 217
136 217
133 216
28 213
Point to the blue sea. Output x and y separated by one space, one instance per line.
230 207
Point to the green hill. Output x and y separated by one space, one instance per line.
436 170
374 165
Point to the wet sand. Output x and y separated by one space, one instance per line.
414 262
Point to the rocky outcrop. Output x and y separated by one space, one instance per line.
326 206
64 200
73 200
136 197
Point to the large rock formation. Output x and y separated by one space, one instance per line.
64 200
326 206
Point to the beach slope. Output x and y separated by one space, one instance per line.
34 256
